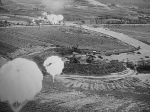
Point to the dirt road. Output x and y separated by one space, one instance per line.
125 38
144 48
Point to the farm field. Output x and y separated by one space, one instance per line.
139 32
22 37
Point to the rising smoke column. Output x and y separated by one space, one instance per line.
54 66
54 19
60 17
20 81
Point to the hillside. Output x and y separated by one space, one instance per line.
34 3
3 10
81 9
15 4
138 3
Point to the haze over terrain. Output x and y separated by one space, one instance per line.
58 4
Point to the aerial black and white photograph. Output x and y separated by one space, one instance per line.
74 55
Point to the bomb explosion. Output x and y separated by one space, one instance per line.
54 19
50 18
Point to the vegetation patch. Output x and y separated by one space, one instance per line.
93 69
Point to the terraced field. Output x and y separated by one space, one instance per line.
127 84
89 95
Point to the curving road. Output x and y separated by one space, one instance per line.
120 36
145 49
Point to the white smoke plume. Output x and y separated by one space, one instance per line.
44 13
54 19
54 65
60 17
20 81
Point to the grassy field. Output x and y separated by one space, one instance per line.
93 69
139 32
62 36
